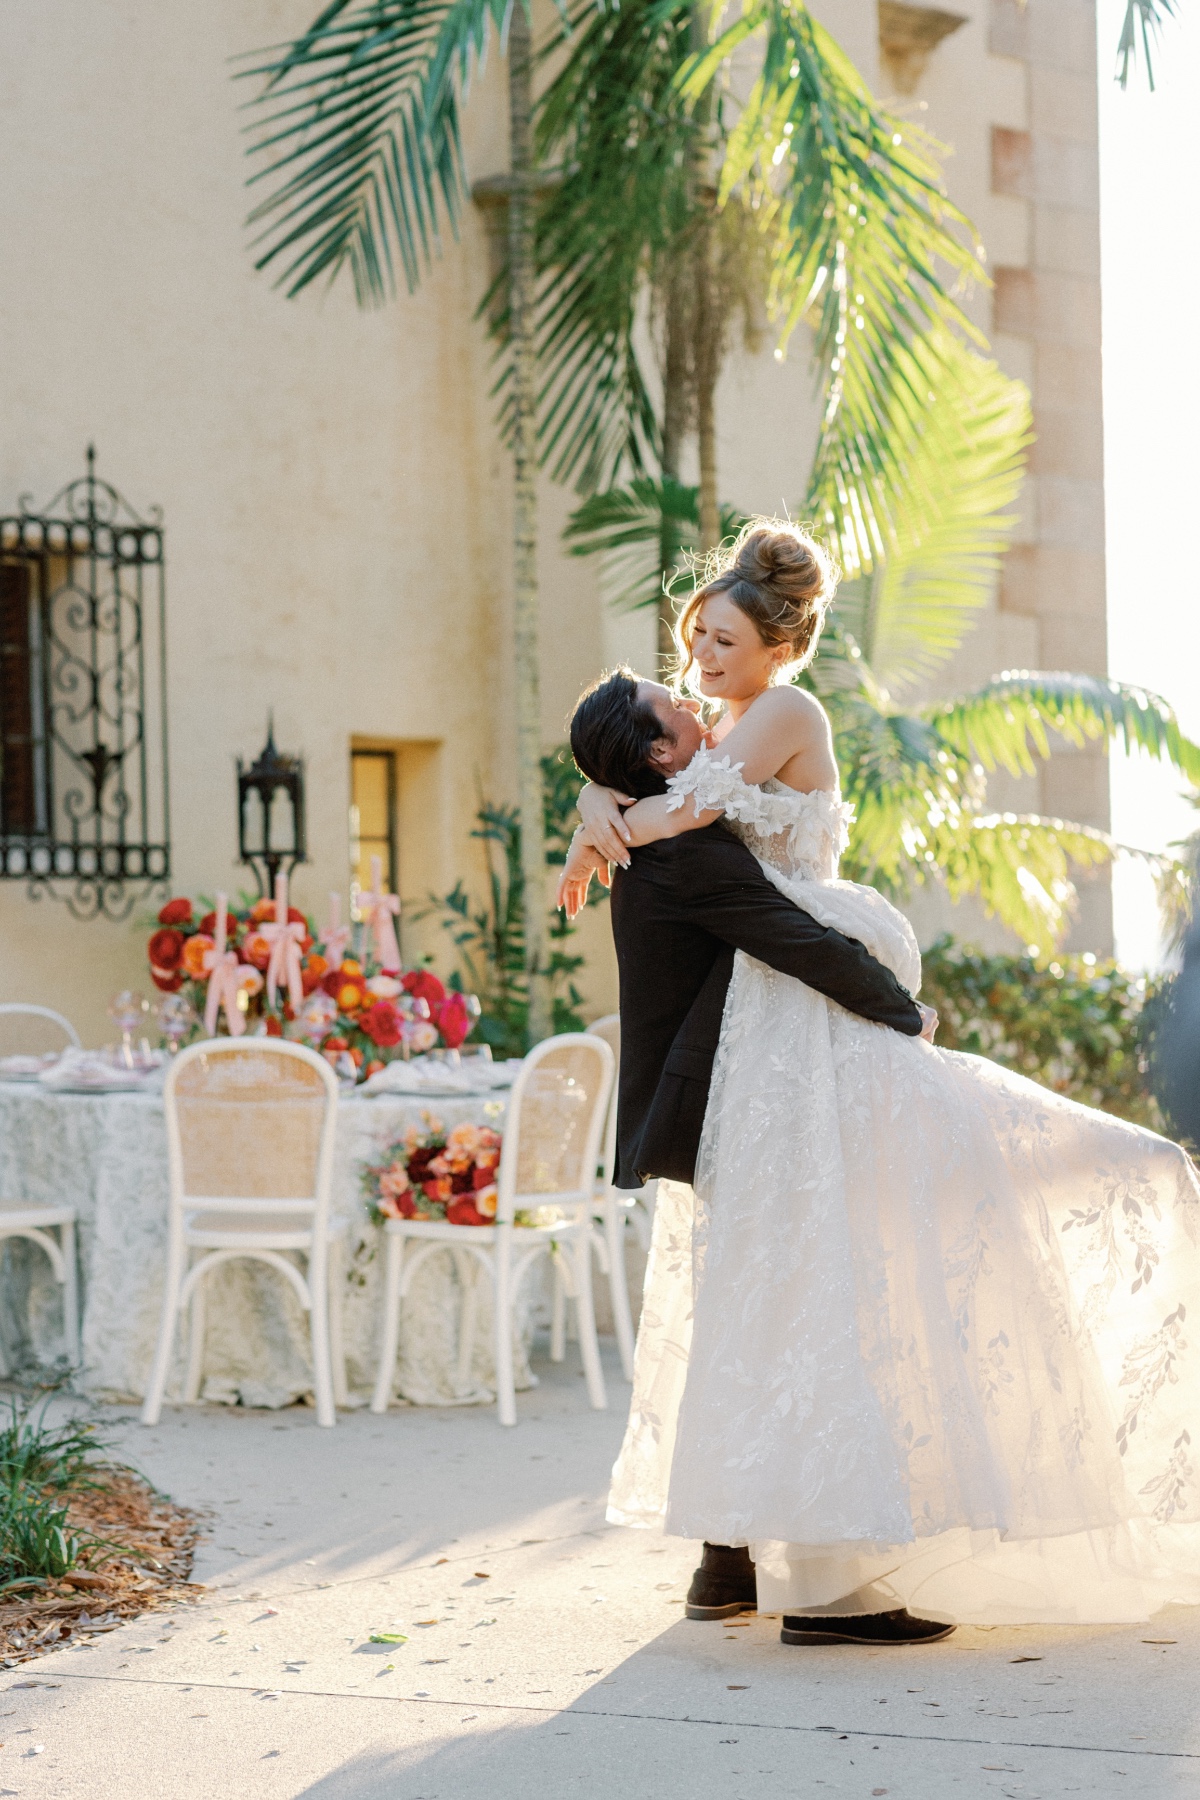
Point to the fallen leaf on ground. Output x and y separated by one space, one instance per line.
738 1687
480 1575
1017 1659
1160 1640
387 1637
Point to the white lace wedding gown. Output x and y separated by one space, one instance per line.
929 1322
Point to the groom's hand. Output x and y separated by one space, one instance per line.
929 1021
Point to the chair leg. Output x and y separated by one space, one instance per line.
506 1395
393 1275
618 1285
337 1340
157 1385
318 1317
70 1295
558 1313
195 1362
585 1314
468 1276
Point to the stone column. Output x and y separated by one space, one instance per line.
1046 328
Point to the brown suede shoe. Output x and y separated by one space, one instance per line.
897 1627
724 1584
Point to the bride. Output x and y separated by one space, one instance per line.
926 1338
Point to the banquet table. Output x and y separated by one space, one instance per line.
106 1154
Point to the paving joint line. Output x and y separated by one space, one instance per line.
574 1711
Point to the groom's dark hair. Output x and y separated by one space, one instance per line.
613 733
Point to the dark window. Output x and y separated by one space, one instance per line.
19 808
372 818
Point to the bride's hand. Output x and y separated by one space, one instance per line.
583 861
929 1021
600 810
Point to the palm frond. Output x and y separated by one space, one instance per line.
613 123
1011 718
1148 15
911 613
867 248
917 781
356 130
630 527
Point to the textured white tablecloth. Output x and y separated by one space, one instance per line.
107 1156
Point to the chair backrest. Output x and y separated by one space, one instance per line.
26 1011
555 1119
250 1125
609 1028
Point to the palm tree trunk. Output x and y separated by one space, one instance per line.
522 280
708 364
706 348
676 398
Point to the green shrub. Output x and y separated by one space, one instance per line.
1075 1025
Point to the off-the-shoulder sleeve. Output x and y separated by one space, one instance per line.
717 786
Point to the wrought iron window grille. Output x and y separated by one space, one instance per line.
84 801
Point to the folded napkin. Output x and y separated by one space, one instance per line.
474 1076
94 1072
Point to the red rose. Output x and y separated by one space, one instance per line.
453 1021
296 917
424 986
441 1188
274 1028
208 925
165 981
382 1023
462 1212
176 912
165 950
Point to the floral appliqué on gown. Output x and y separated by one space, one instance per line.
922 1319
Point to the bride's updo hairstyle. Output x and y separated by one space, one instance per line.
780 577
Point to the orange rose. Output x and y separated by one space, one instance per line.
256 950
350 996
313 973
262 911
194 953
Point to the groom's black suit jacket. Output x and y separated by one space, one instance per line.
679 912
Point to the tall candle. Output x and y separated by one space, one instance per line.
376 876
335 910
281 901
222 912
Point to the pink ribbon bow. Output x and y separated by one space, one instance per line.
336 936
223 986
284 967
380 909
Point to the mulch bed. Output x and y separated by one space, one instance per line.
151 1569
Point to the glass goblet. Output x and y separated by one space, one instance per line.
127 1010
176 1018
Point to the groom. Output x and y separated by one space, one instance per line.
681 909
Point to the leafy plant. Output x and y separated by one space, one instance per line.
489 934
41 1466
1076 1025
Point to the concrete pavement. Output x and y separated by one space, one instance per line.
547 1652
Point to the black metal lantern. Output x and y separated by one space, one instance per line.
272 837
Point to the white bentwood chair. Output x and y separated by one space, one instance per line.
20 1218
250 1127
551 1144
26 1009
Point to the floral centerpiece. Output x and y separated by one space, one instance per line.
264 966
432 1173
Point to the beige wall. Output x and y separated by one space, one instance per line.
334 493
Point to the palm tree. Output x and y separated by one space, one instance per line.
805 196
360 130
